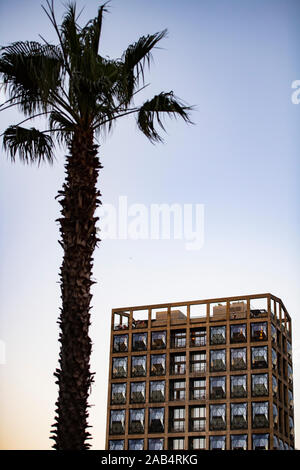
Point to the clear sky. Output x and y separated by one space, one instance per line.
235 60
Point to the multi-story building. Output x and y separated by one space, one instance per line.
209 374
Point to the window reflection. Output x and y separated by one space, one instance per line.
218 335
259 357
217 442
138 366
118 393
157 391
259 331
155 444
139 341
217 360
238 359
217 387
120 343
238 386
259 385
116 445
217 419
158 364
260 441
119 365
274 386
238 333
238 441
137 392
136 421
117 422
136 444
239 416
156 420
260 414
158 340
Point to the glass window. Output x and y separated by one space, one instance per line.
198 389
260 442
157 391
197 418
259 357
198 362
158 364
158 340
238 386
238 441
198 337
290 374
197 443
238 333
155 444
217 419
274 359
259 331
177 390
156 420
120 343
136 444
119 365
291 425
280 445
217 360
138 366
275 416
117 422
217 387
289 349
177 419
118 394
290 400
178 339
116 445
137 392
139 341
217 335
260 414
275 443
217 442
238 359
260 386
176 444
136 421
273 334
238 416
274 386
178 364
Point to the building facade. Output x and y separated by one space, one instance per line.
209 374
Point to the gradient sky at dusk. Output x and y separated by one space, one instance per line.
235 61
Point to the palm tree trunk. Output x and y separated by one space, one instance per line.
78 239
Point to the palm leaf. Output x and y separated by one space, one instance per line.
150 112
32 145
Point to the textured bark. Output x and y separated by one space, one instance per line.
79 200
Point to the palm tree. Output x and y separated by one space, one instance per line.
80 94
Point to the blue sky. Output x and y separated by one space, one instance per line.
235 61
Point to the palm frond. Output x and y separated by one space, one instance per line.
92 31
30 72
70 35
32 145
61 126
152 110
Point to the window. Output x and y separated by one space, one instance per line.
136 444
259 385
273 334
275 443
117 422
177 390
137 392
259 331
158 364
138 366
260 414
238 359
217 443
291 426
119 365
158 340
217 360
177 419
176 444
198 362
238 418
197 418
260 442
116 445
120 343
217 387
178 339
155 444
198 389
280 445
217 335
139 341
290 374
238 333
275 416
157 391
198 337
156 420
274 386
238 441
275 361
178 364
238 386
289 349
118 394
290 400
259 357
217 419
197 443
136 421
